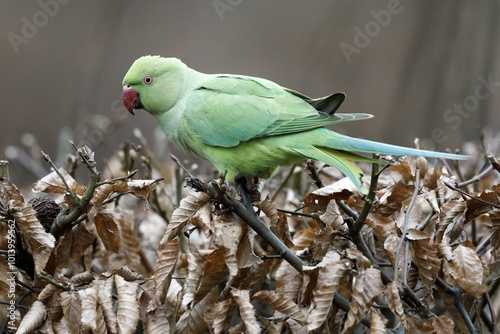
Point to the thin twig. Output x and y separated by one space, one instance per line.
370 199
350 212
47 278
177 161
459 303
471 196
426 221
283 182
483 245
295 213
492 312
121 178
313 172
405 225
72 195
494 163
475 178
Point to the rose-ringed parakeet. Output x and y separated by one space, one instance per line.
247 126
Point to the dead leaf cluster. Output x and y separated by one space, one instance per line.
136 256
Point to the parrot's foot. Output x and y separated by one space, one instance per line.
249 192
196 184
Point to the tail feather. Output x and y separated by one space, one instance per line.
350 144
340 160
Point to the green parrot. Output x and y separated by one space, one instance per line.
247 126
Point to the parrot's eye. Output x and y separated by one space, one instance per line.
148 80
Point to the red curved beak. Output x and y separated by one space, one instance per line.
131 99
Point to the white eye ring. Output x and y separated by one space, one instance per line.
148 80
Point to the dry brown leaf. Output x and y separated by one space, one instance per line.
107 230
157 322
141 188
130 245
46 294
181 216
269 327
39 242
382 226
33 319
304 238
52 183
332 217
72 245
377 322
105 301
450 212
431 178
412 217
443 324
395 199
127 312
124 272
288 281
9 193
166 259
393 299
104 191
100 321
322 242
195 263
61 326
269 209
216 316
278 221
330 271
467 270
476 207
54 307
244 254
318 200
282 304
367 287
228 234
428 263
247 312
214 272
418 327
192 322
431 198
72 309
404 168
391 248
88 297
83 278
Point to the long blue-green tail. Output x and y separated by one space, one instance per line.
349 144
341 152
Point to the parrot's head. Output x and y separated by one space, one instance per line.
153 83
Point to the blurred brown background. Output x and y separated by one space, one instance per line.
426 69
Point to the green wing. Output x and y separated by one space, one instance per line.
228 110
